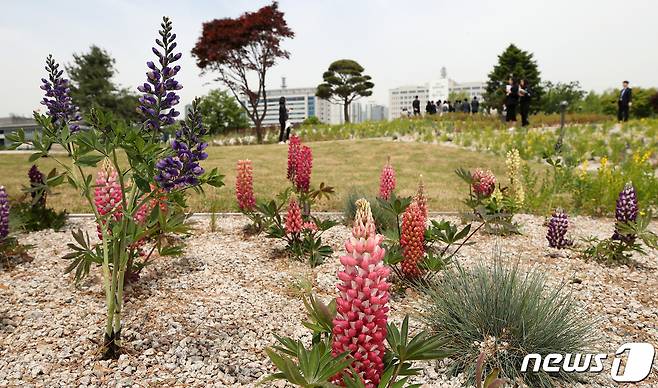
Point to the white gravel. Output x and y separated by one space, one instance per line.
205 318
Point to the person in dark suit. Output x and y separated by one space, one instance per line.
416 106
625 101
524 102
511 100
475 105
283 118
428 107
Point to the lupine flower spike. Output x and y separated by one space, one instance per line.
61 110
626 211
244 186
159 98
182 169
37 179
303 168
557 230
294 221
387 181
421 199
362 311
107 194
4 213
484 182
294 146
412 240
513 163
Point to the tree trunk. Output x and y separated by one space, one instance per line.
259 133
346 111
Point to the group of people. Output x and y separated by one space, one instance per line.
446 106
517 97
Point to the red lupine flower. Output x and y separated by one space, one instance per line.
412 239
294 221
293 150
107 194
484 182
244 186
387 181
362 311
310 226
303 168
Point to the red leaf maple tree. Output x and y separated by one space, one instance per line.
241 50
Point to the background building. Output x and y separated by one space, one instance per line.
402 97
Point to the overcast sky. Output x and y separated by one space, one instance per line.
597 42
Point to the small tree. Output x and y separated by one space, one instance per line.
221 112
556 93
239 49
344 82
91 84
518 64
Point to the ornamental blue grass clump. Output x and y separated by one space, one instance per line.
156 105
174 167
58 101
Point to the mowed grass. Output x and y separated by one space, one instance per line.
344 164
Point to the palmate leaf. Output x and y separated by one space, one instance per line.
314 366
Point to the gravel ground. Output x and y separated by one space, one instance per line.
205 318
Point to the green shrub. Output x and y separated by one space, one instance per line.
384 220
507 314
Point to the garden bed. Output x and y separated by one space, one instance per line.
204 319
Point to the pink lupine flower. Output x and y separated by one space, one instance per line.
303 167
310 226
484 182
387 181
412 239
294 222
293 150
362 312
107 194
244 186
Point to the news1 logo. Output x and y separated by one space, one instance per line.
636 365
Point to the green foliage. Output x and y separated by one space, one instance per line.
516 63
606 102
13 252
620 251
344 82
384 219
312 120
92 85
221 112
33 218
555 93
508 314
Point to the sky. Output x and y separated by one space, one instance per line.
597 42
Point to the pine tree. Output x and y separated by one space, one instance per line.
519 64
91 85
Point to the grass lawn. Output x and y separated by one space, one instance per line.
343 164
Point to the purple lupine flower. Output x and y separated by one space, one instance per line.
61 109
182 169
159 98
4 214
37 179
626 211
557 230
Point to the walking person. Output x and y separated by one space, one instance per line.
524 102
511 101
475 105
428 107
466 107
625 101
416 106
283 119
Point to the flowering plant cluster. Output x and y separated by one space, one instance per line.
387 181
491 203
30 210
351 333
123 202
10 249
631 229
558 227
